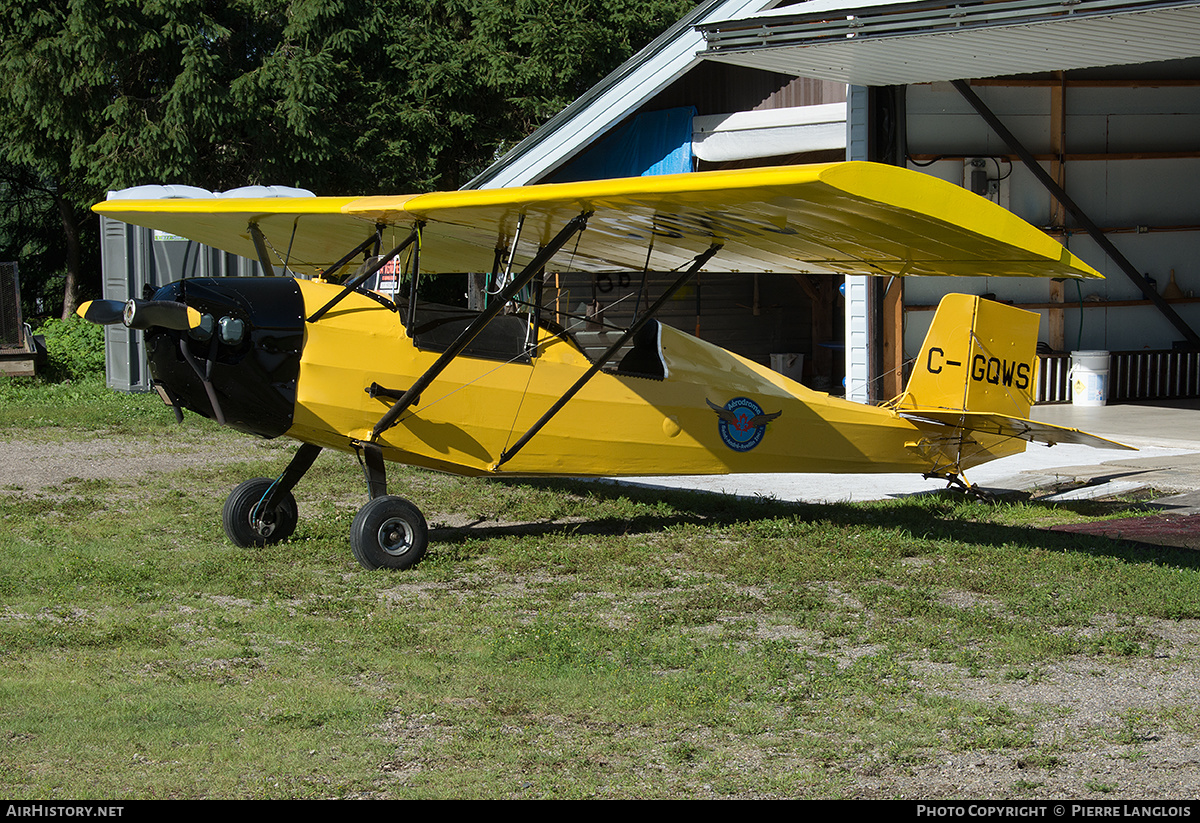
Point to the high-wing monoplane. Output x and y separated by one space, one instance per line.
505 389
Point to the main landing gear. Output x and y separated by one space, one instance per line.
388 533
960 483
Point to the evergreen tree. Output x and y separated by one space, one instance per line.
338 96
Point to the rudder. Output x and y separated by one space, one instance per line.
979 356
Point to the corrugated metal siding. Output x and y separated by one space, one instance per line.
12 331
927 42
715 88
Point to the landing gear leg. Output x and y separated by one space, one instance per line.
263 511
955 481
389 532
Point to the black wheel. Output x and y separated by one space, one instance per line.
389 533
247 525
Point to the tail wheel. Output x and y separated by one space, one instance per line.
389 533
248 524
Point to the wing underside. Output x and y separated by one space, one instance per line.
849 218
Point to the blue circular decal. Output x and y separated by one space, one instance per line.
741 423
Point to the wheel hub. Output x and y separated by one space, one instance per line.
395 536
264 525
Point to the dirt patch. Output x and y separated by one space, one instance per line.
30 465
1102 728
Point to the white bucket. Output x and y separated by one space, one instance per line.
1089 378
789 365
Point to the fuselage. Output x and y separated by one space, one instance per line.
702 410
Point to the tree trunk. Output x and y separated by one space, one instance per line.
70 223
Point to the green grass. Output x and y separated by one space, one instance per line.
581 640
84 405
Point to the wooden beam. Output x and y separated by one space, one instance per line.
1077 157
1056 319
1075 304
892 320
1058 148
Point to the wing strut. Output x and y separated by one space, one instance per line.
372 240
351 285
414 276
468 334
697 264
260 246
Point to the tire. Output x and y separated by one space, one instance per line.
389 533
239 520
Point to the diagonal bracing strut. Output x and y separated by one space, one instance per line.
366 275
697 264
468 334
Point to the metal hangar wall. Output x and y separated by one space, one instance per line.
1081 117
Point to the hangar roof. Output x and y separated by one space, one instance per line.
921 42
886 43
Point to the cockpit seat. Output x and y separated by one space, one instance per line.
645 359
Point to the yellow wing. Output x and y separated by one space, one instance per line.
851 218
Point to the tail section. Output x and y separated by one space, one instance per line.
979 356
974 381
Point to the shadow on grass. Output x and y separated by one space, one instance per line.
937 516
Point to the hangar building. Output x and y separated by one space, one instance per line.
1081 116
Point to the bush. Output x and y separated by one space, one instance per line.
74 349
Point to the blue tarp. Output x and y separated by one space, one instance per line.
655 142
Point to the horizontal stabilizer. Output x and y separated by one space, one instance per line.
1005 426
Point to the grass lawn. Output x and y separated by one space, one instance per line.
560 640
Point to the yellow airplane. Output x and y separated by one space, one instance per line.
505 390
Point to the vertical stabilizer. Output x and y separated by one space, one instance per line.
979 356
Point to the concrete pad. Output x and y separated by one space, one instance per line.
1186 503
1167 436
1096 492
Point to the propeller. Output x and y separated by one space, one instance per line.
102 312
141 314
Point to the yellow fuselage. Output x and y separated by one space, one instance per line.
615 426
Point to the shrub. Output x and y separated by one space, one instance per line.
74 349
